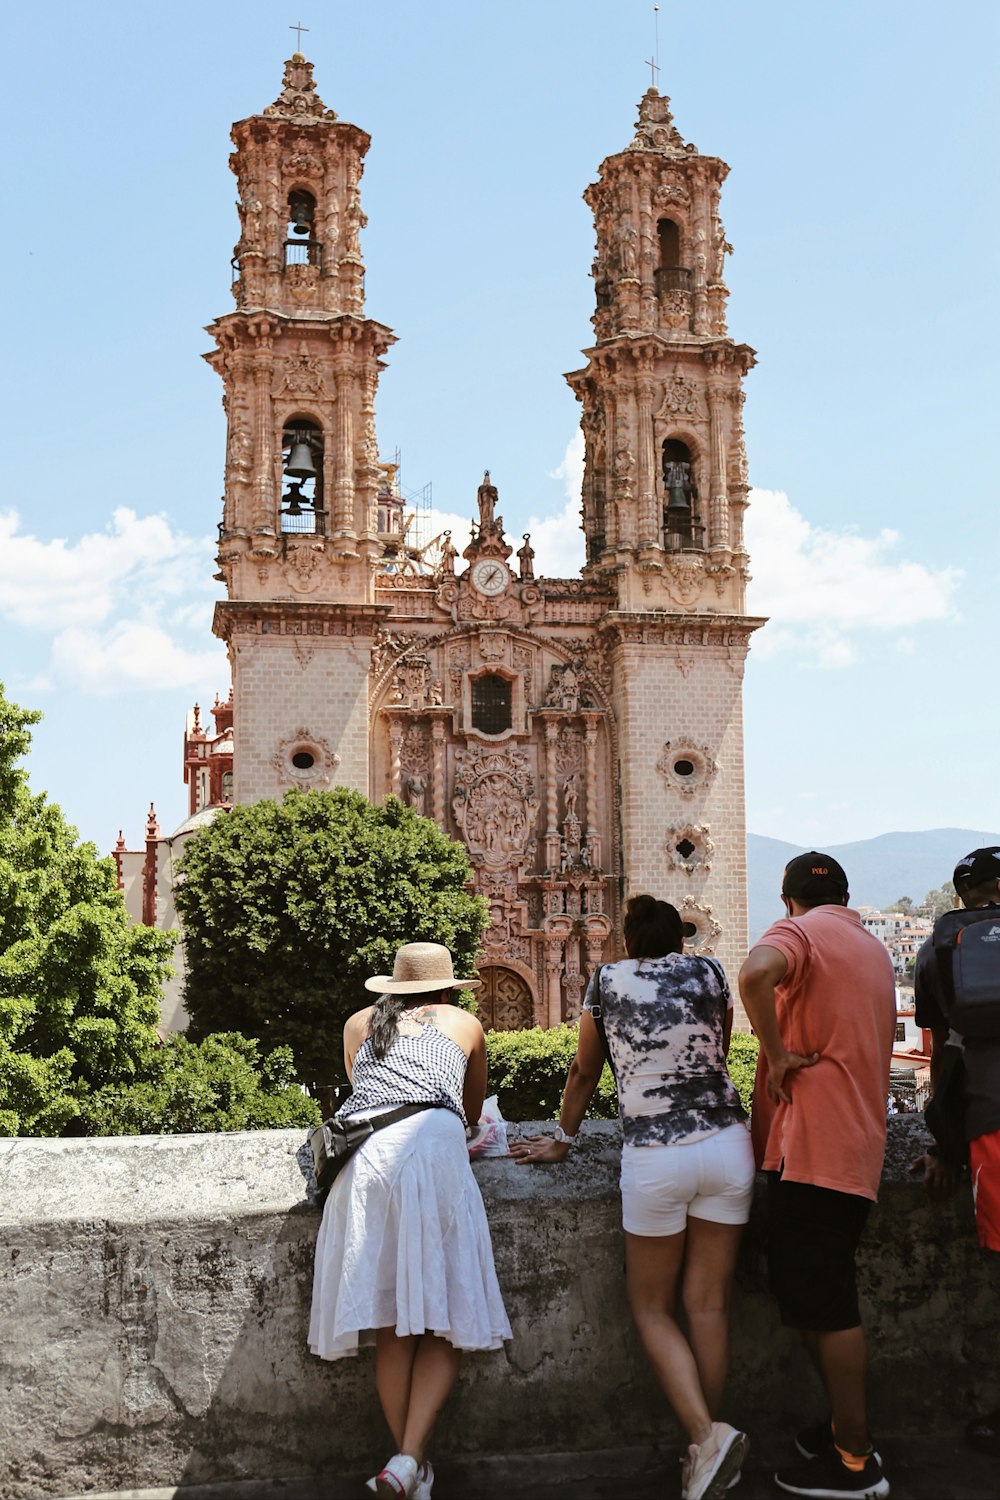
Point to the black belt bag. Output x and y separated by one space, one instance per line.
335 1141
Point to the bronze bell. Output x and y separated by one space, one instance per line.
293 500
300 462
678 499
300 212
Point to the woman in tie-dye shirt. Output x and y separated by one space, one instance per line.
687 1165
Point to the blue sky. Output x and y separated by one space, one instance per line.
863 212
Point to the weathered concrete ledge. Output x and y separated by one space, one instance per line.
154 1297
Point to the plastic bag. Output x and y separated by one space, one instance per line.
489 1137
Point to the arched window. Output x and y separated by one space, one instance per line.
681 527
301 245
491 703
302 462
671 275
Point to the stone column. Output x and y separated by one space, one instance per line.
593 836
649 525
553 977
718 530
606 479
265 509
437 763
623 466
343 489
551 797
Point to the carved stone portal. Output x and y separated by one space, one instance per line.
495 806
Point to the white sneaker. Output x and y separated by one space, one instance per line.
425 1480
397 1480
713 1466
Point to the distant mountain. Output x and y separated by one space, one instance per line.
880 870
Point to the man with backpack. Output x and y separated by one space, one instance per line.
957 997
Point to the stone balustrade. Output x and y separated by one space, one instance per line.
154 1295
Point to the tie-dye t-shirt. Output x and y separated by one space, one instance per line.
664 1019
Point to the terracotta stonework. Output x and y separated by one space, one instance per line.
582 736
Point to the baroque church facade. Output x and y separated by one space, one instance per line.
581 736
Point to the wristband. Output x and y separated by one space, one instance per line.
566 1140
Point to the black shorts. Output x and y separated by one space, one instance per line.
812 1237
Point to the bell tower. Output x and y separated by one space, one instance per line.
300 364
664 491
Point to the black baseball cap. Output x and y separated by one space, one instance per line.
980 865
816 878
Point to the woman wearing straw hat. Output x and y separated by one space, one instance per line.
404 1249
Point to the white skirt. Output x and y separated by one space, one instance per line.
404 1243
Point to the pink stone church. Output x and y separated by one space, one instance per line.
582 736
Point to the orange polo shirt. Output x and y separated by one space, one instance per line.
838 998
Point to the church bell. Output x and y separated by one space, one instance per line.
300 462
300 212
678 500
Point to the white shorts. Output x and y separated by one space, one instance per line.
709 1179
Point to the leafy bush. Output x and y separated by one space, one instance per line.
742 1063
221 1083
288 907
527 1072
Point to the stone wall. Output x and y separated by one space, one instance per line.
154 1295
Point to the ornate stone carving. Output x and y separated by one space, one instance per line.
686 765
386 646
681 398
706 930
495 805
523 659
298 99
563 690
683 577
301 376
415 752
303 567
304 760
492 645
676 308
303 654
414 674
569 751
689 847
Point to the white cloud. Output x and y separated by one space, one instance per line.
126 607
821 586
54 584
133 654
558 539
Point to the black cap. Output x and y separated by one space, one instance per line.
816 878
975 868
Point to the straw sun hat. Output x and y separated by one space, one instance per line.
419 968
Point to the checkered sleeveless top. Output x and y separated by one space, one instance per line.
428 1068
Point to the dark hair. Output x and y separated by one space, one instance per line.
383 1023
652 928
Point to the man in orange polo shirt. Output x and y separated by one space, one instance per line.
820 994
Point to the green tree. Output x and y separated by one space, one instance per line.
939 901
744 1050
289 906
904 906
79 985
222 1083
